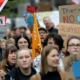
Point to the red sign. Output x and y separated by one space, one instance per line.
31 9
2 4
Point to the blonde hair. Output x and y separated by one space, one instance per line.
3 41
23 50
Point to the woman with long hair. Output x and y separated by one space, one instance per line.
49 65
8 61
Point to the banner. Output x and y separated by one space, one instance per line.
36 42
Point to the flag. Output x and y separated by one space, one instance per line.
75 1
36 42
28 18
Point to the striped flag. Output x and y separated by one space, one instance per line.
36 42
75 1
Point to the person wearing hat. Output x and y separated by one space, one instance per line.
43 34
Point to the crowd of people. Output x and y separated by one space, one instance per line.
16 61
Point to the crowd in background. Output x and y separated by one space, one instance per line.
16 54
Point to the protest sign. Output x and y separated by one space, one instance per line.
70 14
67 30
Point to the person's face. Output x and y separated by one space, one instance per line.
24 59
12 57
22 43
43 34
7 31
28 33
12 34
17 31
74 46
46 20
52 42
3 45
53 59
22 31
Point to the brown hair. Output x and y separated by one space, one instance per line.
72 37
5 57
45 52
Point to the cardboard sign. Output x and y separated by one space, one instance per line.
67 30
72 67
2 21
70 14
44 6
2 4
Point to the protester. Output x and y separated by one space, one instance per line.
3 45
8 61
24 70
12 34
51 39
51 29
46 20
16 31
23 30
10 41
7 34
22 41
43 34
28 34
73 46
49 25
54 39
49 65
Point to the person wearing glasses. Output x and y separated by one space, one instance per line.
73 46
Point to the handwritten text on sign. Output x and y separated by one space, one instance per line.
67 30
70 14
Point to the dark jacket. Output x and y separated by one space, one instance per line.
16 74
40 76
53 30
0 54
